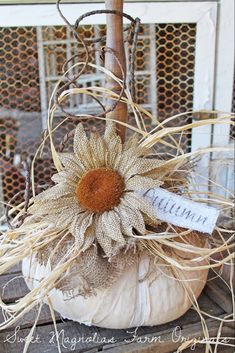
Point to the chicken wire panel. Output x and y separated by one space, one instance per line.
20 112
31 63
164 70
175 57
19 95
19 69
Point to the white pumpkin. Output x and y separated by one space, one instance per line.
129 302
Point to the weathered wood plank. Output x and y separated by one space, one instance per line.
72 337
201 349
219 295
26 2
80 338
14 269
12 287
165 342
28 320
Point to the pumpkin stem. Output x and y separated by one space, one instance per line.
116 43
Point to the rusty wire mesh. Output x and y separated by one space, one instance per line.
31 62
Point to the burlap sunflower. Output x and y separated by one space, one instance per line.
96 196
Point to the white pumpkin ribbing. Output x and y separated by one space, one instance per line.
129 302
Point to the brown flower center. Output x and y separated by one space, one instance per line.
100 190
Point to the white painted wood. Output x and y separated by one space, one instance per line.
153 68
204 88
222 164
47 15
2 210
204 73
14 2
224 73
42 78
222 174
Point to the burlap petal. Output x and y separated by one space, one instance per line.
80 142
66 176
82 148
130 156
132 141
89 239
56 192
143 165
127 160
111 226
131 217
51 206
113 144
62 220
126 226
159 173
110 133
142 183
138 202
79 226
99 150
65 205
104 241
71 162
176 175
114 153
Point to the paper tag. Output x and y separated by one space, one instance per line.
182 212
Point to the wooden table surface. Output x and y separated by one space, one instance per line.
75 337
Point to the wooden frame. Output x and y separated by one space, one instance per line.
222 164
115 41
149 12
203 14
225 68
30 2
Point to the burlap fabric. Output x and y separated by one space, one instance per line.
90 271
